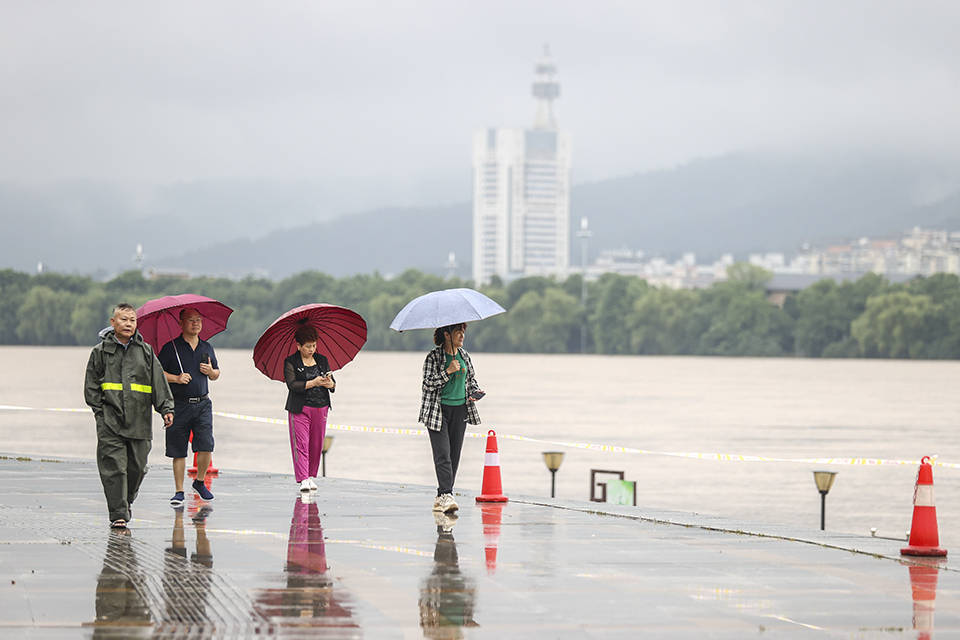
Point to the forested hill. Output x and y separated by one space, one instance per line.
732 204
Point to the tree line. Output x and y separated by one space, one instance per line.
870 317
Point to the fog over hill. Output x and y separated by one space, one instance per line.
736 203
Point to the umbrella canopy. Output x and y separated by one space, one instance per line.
442 308
342 333
159 320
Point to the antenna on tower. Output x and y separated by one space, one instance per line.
546 89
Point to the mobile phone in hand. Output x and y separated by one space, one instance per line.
477 395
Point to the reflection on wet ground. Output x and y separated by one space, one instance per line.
446 595
924 573
308 599
119 599
366 560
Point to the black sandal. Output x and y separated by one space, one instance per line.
119 523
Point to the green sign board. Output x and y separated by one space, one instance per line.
622 492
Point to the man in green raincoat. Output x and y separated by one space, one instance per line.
124 379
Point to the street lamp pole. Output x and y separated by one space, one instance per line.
553 459
584 235
824 480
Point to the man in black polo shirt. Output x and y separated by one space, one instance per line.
188 363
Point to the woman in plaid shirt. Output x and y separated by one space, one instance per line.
447 405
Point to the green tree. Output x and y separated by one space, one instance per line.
899 325
13 291
666 322
823 317
743 322
545 323
44 317
752 277
615 297
90 314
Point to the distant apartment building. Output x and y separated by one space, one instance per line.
521 192
916 252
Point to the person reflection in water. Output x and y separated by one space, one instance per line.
118 602
308 598
446 595
186 583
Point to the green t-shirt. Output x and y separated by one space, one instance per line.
455 390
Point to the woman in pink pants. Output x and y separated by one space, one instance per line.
310 384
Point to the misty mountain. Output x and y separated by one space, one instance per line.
87 226
737 203
740 203
752 202
385 240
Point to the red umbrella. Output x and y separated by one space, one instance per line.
342 333
159 320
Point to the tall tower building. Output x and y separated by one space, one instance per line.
521 192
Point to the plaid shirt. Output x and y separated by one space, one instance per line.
434 377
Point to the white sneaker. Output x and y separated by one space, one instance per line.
437 502
305 485
313 484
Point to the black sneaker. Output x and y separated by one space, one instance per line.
202 491
177 499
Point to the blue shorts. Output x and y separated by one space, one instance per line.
190 417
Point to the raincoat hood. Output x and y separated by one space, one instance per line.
109 335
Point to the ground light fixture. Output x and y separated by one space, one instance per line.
553 459
824 480
327 443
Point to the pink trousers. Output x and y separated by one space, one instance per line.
306 440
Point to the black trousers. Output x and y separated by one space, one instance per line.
447 444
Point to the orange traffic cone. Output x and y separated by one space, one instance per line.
923 584
491 515
924 536
492 491
211 470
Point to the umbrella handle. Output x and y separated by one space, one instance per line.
173 342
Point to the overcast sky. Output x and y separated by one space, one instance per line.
387 95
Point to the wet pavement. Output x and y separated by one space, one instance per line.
371 560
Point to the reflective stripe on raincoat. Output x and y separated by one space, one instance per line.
122 384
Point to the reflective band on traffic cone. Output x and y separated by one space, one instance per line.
491 515
492 490
924 536
211 470
923 584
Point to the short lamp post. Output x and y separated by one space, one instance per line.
553 459
327 443
824 480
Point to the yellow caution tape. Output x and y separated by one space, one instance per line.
587 446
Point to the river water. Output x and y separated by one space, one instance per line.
774 408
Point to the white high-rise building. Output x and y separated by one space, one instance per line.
521 192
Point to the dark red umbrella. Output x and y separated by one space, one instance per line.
159 320
342 333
